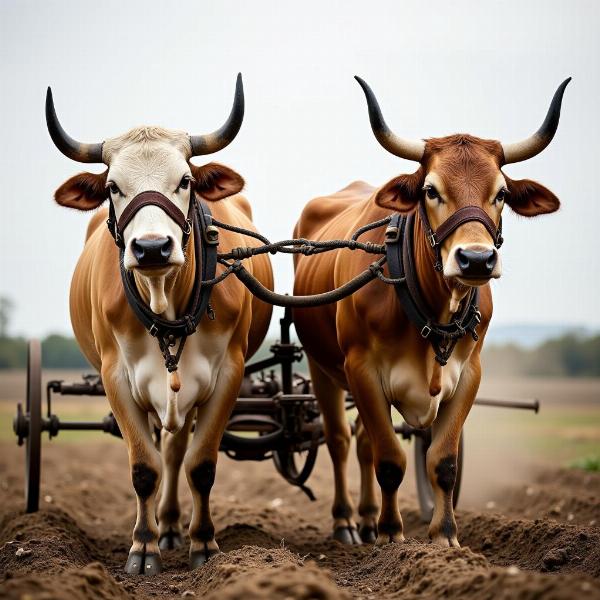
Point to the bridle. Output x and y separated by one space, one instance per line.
399 237
206 240
454 221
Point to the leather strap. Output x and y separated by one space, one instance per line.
453 222
149 198
442 337
155 199
166 331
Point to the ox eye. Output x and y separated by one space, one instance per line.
184 184
432 193
500 196
114 188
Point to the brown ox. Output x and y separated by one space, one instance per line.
141 393
366 344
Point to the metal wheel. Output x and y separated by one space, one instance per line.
34 437
424 490
295 466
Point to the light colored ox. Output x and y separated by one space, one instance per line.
114 341
366 344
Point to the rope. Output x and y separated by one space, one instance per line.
306 247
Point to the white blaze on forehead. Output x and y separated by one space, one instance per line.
145 135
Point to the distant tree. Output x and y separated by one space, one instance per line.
6 307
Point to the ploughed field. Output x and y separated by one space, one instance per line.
529 526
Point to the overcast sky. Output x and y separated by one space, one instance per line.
487 68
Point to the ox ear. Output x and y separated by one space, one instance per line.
529 198
215 181
85 191
402 193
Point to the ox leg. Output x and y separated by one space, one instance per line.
338 435
145 467
169 512
389 458
442 455
201 459
368 507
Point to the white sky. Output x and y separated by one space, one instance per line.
487 68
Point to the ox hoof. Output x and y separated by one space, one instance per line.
445 542
201 557
142 563
368 534
347 535
170 540
389 538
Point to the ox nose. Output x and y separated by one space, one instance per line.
152 252
476 264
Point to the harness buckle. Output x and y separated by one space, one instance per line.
432 239
153 331
188 227
392 234
211 235
425 331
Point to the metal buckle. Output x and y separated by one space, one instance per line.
392 234
211 235
188 229
425 331
153 331
431 238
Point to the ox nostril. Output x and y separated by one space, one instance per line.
166 248
491 261
462 259
152 252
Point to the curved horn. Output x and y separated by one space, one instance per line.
534 144
409 149
85 153
217 140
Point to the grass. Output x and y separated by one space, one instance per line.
587 463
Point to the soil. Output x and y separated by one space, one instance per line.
537 540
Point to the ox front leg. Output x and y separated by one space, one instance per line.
201 459
388 457
145 468
174 446
442 456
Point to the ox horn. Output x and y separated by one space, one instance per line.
217 140
409 149
534 144
85 153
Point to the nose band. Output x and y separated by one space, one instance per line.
150 198
453 222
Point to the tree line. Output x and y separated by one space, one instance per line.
568 356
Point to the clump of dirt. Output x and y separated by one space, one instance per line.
92 582
253 572
540 545
48 540
418 571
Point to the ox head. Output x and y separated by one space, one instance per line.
459 171
149 159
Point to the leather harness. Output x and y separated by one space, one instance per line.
206 240
399 237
